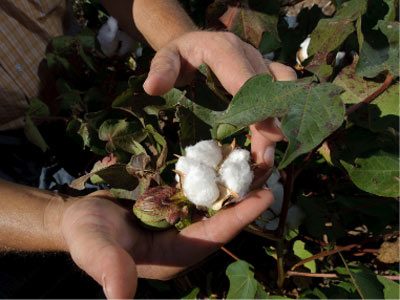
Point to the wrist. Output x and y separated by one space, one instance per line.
52 221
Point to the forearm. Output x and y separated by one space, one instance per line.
29 219
158 21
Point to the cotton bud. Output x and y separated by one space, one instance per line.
235 172
160 207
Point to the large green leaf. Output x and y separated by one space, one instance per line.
377 174
122 134
242 284
380 54
300 251
310 112
365 281
331 33
391 289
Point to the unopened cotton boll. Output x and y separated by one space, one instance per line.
200 186
235 172
207 152
295 217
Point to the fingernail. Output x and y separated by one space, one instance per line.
103 280
269 155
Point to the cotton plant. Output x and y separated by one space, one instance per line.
209 176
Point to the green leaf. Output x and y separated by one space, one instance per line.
377 174
391 289
331 33
242 284
310 112
123 134
33 134
192 294
380 53
301 252
38 108
192 129
365 281
115 175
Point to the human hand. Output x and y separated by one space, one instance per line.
233 62
105 241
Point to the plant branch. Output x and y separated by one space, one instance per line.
230 253
330 275
388 80
323 254
280 263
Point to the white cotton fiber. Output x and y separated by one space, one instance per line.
235 172
302 55
295 217
276 189
200 186
184 165
107 37
207 152
291 21
127 43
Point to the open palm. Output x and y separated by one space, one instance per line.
105 241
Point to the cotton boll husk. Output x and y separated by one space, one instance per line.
200 186
207 152
127 43
295 217
235 172
107 37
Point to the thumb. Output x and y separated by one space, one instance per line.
106 262
164 71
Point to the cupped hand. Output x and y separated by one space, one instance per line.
233 62
106 242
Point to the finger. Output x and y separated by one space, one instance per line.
99 256
204 237
280 71
164 71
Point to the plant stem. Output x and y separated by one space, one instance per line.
280 263
323 254
230 253
388 80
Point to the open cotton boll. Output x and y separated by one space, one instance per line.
184 165
302 54
200 185
207 152
107 37
235 172
295 216
127 43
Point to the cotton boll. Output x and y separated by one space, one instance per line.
277 191
273 178
235 172
184 165
200 185
207 152
127 43
302 54
294 217
107 37
271 225
339 58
